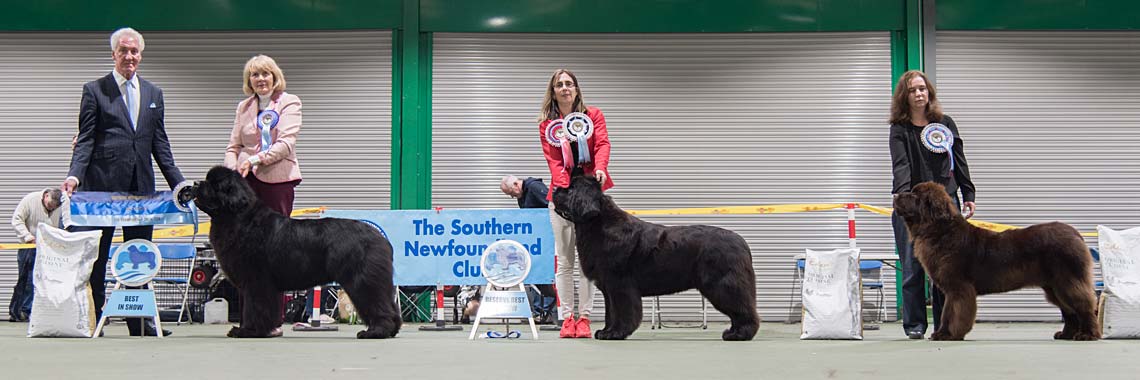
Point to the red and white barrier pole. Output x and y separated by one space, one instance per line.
315 318
440 321
439 302
851 225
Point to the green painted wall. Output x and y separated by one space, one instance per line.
200 15
659 15
1038 14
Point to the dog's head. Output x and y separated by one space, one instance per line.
926 203
582 201
223 192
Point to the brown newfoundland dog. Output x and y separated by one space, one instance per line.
966 261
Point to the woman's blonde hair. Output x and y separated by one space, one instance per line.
900 108
550 105
259 63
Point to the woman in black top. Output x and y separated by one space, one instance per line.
914 107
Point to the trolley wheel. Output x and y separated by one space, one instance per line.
201 276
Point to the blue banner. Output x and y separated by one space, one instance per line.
108 209
444 247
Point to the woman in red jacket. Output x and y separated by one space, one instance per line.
563 98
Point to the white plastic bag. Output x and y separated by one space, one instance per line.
62 306
832 298
1120 301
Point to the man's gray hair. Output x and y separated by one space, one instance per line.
55 196
126 32
507 182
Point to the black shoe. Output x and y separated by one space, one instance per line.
915 334
150 332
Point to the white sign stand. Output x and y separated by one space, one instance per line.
506 270
126 262
505 304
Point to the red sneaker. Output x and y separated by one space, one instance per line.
569 328
583 327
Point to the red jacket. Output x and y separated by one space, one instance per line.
598 144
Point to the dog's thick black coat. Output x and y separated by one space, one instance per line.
628 258
967 261
264 253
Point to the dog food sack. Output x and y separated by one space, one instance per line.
832 299
62 306
1120 301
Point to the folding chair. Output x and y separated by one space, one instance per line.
796 284
1099 284
171 255
874 266
655 321
410 309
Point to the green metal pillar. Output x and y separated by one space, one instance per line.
411 107
907 53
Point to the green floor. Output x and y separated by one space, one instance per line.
995 351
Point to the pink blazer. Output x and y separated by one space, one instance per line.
279 163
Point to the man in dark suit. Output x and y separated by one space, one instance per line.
120 127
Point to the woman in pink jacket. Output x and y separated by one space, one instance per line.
263 142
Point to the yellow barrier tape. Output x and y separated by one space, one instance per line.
996 227
764 209
180 231
874 209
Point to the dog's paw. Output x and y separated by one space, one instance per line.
1063 335
1086 336
240 332
374 334
609 335
734 335
943 335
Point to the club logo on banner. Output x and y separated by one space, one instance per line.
446 247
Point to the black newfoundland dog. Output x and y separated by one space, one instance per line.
628 258
264 253
967 261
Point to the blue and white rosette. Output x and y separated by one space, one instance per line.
937 138
183 195
580 127
266 121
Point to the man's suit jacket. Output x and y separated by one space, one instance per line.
108 152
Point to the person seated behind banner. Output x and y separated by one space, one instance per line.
542 303
41 206
468 300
